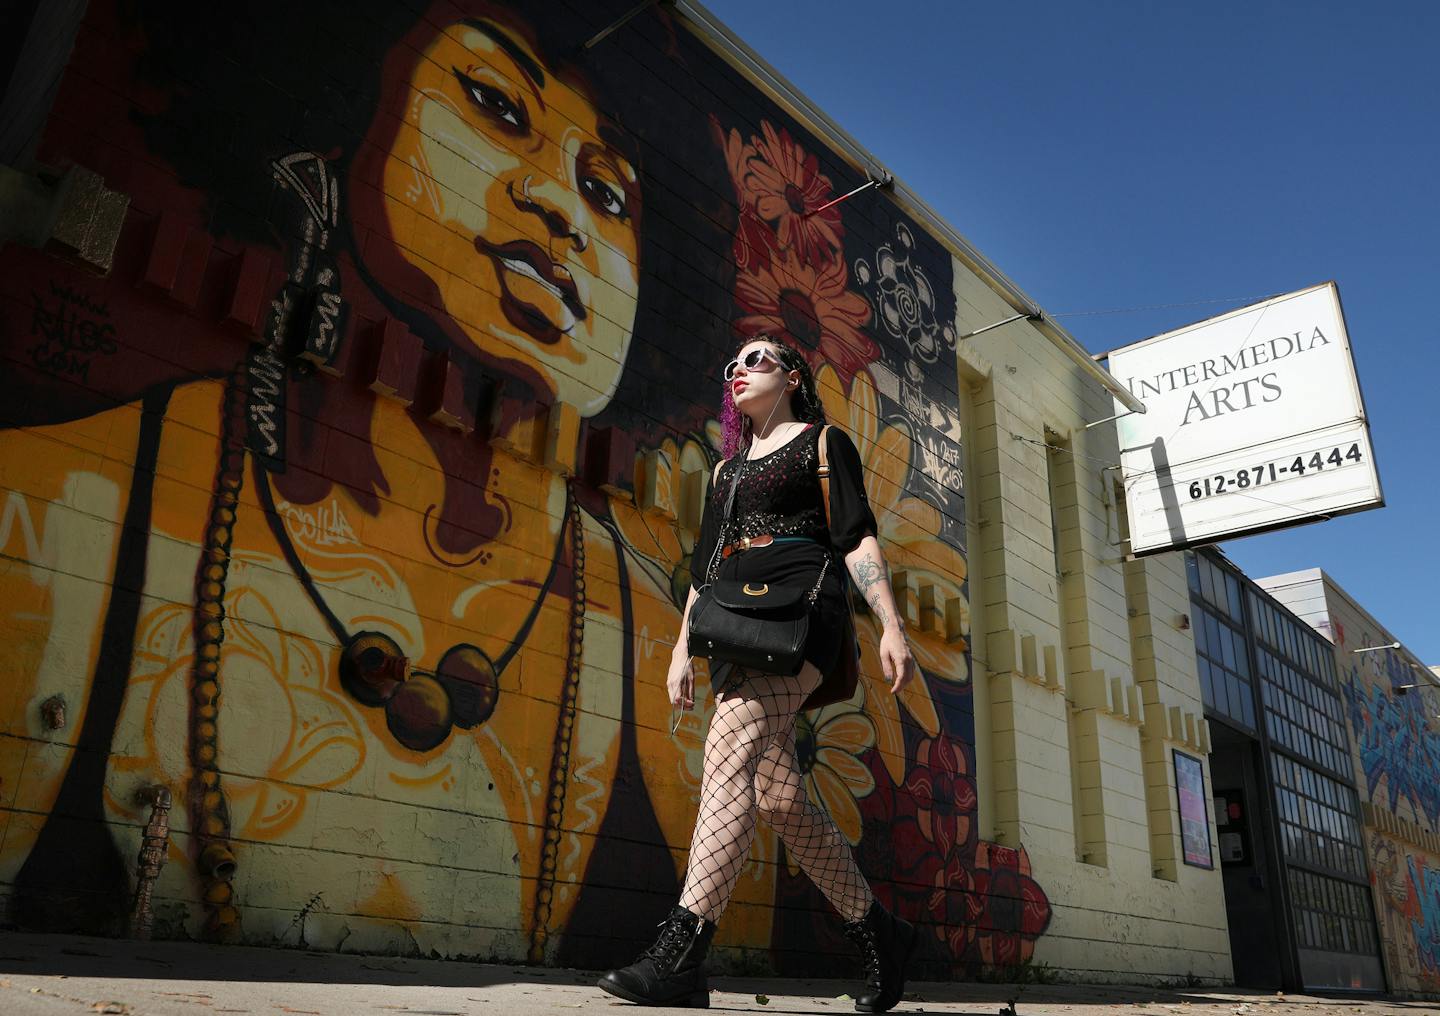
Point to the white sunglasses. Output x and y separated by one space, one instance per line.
751 361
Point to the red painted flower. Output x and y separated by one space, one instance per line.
944 793
952 912
1011 909
786 186
755 243
781 186
810 307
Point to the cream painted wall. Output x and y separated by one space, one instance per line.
1108 698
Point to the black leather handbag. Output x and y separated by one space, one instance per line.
759 625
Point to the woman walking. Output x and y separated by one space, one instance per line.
776 533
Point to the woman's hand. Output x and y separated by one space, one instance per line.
680 682
895 658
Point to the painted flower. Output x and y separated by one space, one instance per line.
755 244
1010 909
811 307
828 744
944 793
787 187
909 532
778 183
738 153
904 300
953 910
895 848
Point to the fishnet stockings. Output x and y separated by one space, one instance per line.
750 771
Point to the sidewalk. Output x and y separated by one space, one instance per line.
59 975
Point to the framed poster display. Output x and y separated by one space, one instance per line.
1194 811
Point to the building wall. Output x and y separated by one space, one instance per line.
1395 749
1089 671
370 547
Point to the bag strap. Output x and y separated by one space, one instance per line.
824 470
724 524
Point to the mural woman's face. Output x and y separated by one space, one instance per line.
508 189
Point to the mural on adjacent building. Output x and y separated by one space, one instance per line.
1407 893
1396 734
1397 744
382 583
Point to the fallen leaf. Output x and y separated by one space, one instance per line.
843 998
763 999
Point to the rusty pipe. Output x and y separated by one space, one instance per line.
154 850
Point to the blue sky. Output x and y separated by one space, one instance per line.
1127 154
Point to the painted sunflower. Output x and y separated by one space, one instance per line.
909 533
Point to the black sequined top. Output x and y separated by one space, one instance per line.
779 493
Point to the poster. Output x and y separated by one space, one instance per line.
1194 814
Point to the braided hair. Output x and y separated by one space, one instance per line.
804 400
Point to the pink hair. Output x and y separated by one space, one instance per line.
732 423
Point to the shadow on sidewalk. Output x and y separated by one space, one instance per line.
986 999
80 956
73 956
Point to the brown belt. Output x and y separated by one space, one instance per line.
746 543
763 540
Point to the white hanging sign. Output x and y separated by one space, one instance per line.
1254 421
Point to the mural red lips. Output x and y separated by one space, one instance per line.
538 296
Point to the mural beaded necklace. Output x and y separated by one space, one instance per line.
375 672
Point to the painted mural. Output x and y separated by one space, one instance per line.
1396 739
352 506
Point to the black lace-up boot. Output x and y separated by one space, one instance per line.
885 943
672 971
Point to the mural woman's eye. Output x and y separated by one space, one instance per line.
493 102
605 197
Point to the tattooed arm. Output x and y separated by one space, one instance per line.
867 567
